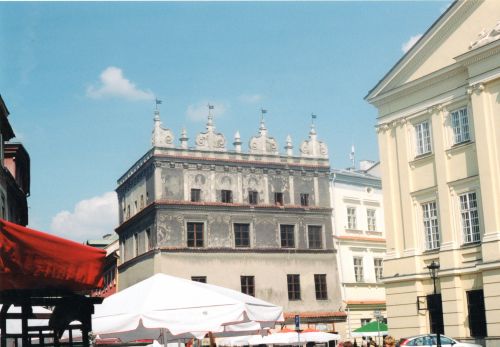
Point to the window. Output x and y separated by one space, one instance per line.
460 124
241 235
278 198
287 236
320 286
136 244
128 211
248 285
194 234
351 218
477 315
293 282
202 279
470 217
371 220
358 269
431 226
423 137
304 199
195 195
253 197
142 201
149 241
377 264
314 236
226 196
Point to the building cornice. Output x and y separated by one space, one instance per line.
360 239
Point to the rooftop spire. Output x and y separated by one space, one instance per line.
312 147
162 137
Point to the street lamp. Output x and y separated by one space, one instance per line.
433 270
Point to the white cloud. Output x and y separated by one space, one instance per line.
198 112
405 47
114 84
91 218
250 98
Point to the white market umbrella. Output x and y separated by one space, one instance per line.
279 338
173 307
293 338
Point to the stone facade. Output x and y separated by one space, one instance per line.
258 222
439 132
14 173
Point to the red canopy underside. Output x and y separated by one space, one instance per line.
30 259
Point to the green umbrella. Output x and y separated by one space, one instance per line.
371 329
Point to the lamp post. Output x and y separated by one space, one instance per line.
433 270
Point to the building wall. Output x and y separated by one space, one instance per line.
361 191
452 170
154 236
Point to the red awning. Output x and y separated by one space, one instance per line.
31 259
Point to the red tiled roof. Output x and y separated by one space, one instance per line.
315 314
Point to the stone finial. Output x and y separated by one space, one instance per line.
210 140
162 137
184 139
237 142
313 148
288 146
262 143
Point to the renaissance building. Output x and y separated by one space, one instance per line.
258 221
439 139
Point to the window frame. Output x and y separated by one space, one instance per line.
469 235
371 220
320 287
293 287
195 238
358 269
460 125
430 221
352 223
423 138
313 245
378 268
253 197
226 196
279 199
195 195
236 238
284 242
304 199
246 287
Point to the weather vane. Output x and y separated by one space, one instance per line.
262 113
157 102
210 108
313 117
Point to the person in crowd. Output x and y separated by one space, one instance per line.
389 341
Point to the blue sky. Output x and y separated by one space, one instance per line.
79 80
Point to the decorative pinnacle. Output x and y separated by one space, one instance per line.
262 113
313 129
210 116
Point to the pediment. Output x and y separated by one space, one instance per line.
450 36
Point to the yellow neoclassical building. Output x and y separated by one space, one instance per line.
438 129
